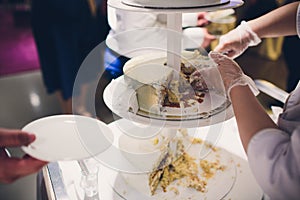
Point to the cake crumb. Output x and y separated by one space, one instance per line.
175 190
155 141
197 141
209 145
210 168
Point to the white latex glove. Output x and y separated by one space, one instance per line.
231 73
235 42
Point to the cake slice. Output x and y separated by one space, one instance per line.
161 90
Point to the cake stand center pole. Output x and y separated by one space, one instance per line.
174 25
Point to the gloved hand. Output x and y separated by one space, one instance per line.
235 42
231 73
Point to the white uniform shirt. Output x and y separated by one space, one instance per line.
131 32
274 155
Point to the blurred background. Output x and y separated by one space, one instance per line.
24 98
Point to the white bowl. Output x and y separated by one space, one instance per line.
144 154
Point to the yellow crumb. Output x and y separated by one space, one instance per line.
155 141
210 168
208 145
175 190
197 141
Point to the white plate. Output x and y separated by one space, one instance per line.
169 4
120 156
135 186
218 114
67 137
118 4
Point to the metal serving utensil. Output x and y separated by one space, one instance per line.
271 90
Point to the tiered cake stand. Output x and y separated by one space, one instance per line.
174 12
173 9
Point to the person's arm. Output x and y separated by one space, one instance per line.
279 22
132 31
194 19
13 168
250 115
273 151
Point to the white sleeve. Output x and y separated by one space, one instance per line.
192 37
121 20
132 32
189 19
298 21
274 158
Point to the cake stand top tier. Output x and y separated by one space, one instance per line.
174 6
150 93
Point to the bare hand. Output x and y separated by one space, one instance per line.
13 168
202 21
208 38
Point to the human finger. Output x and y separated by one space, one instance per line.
223 48
231 54
224 62
15 168
15 138
202 22
217 57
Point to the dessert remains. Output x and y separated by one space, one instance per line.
161 89
189 171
